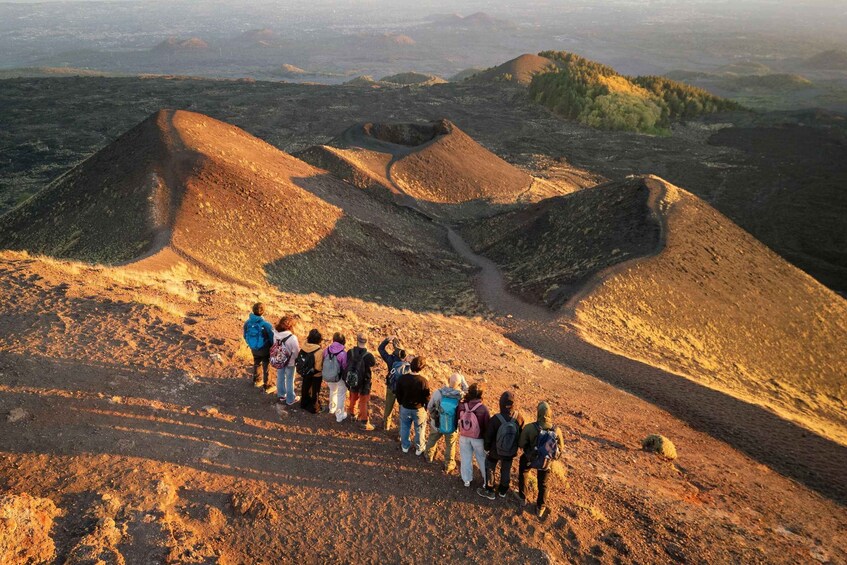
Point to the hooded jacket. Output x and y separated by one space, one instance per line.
319 358
337 349
435 401
544 420
267 330
483 416
508 411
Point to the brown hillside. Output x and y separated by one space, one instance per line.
520 69
699 296
222 199
437 164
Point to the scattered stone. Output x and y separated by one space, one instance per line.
16 415
252 505
98 547
210 410
216 357
115 400
217 341
188 321
25 524
659 444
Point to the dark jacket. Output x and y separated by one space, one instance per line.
544 421
389 358
412 391
483 416
363 359
507 410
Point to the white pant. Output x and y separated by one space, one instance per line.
338 400
469 448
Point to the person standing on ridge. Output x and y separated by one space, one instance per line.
442 410
360 361
541 444
258 333
413 396
398 357
501 442
308 365
473 422
283 353
333 370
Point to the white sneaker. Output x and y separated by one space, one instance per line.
418 452
342 418
296 400
405 449
467 483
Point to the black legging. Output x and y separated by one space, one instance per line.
310 393
523 469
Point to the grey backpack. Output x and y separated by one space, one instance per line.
331 371
506 443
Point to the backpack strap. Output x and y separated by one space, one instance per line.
501 418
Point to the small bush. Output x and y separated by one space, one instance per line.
659 444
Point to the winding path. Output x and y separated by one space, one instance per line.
788 448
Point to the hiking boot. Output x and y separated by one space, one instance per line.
368 427
542 512
269 389
449 468
521 498
485 493
257 382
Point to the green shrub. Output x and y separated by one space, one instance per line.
599 97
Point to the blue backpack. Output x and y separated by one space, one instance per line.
545 450
256 334
447 414
399 369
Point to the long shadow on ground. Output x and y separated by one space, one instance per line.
789 449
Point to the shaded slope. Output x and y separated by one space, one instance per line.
698 295
549 250
182 186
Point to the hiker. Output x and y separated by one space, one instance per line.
472 422
334 367
283 353
398 358
501 442
308 365
541 444
360 361
258 333
413 396
442 410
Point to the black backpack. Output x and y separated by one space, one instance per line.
353 377
304 364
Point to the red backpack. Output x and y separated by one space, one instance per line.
468 421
